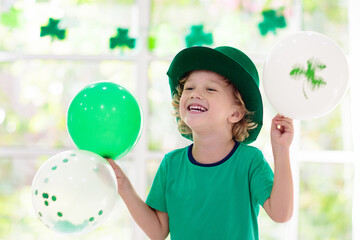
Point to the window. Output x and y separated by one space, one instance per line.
39 76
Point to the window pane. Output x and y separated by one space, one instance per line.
151 169
35 96
263 140
89 25
163 133
325 201
330 132
233 23
329 17
268 229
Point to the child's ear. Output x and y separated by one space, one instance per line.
236 115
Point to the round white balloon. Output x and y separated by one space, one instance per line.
74 192
305 76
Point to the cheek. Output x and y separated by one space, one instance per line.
182 107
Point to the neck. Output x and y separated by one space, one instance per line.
211 149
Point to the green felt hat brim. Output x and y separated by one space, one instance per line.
230 63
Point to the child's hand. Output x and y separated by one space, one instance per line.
282 131
120 175
154 223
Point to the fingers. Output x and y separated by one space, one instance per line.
282 123
111 162
281 119
117 169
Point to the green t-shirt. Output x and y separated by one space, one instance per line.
212 201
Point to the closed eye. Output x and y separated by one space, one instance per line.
211 89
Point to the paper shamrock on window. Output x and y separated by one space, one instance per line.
53 30
122 39
11 18
197 37
151 43
272 20
308 72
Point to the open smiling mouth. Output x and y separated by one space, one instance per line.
196 108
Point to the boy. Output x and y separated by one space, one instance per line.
213 188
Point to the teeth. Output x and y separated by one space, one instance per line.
197 108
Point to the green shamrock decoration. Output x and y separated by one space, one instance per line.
122 39
53 30
151 43
309 73
197 37
11 18
272 20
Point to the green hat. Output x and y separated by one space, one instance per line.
230 63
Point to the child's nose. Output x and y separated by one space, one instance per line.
196 94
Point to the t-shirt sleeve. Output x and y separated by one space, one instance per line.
261 179
156 198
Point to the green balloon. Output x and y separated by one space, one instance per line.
105 118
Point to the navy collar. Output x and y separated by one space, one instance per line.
192 159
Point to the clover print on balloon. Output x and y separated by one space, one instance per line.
315 82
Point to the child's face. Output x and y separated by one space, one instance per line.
208 102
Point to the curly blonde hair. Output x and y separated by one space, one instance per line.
240 129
